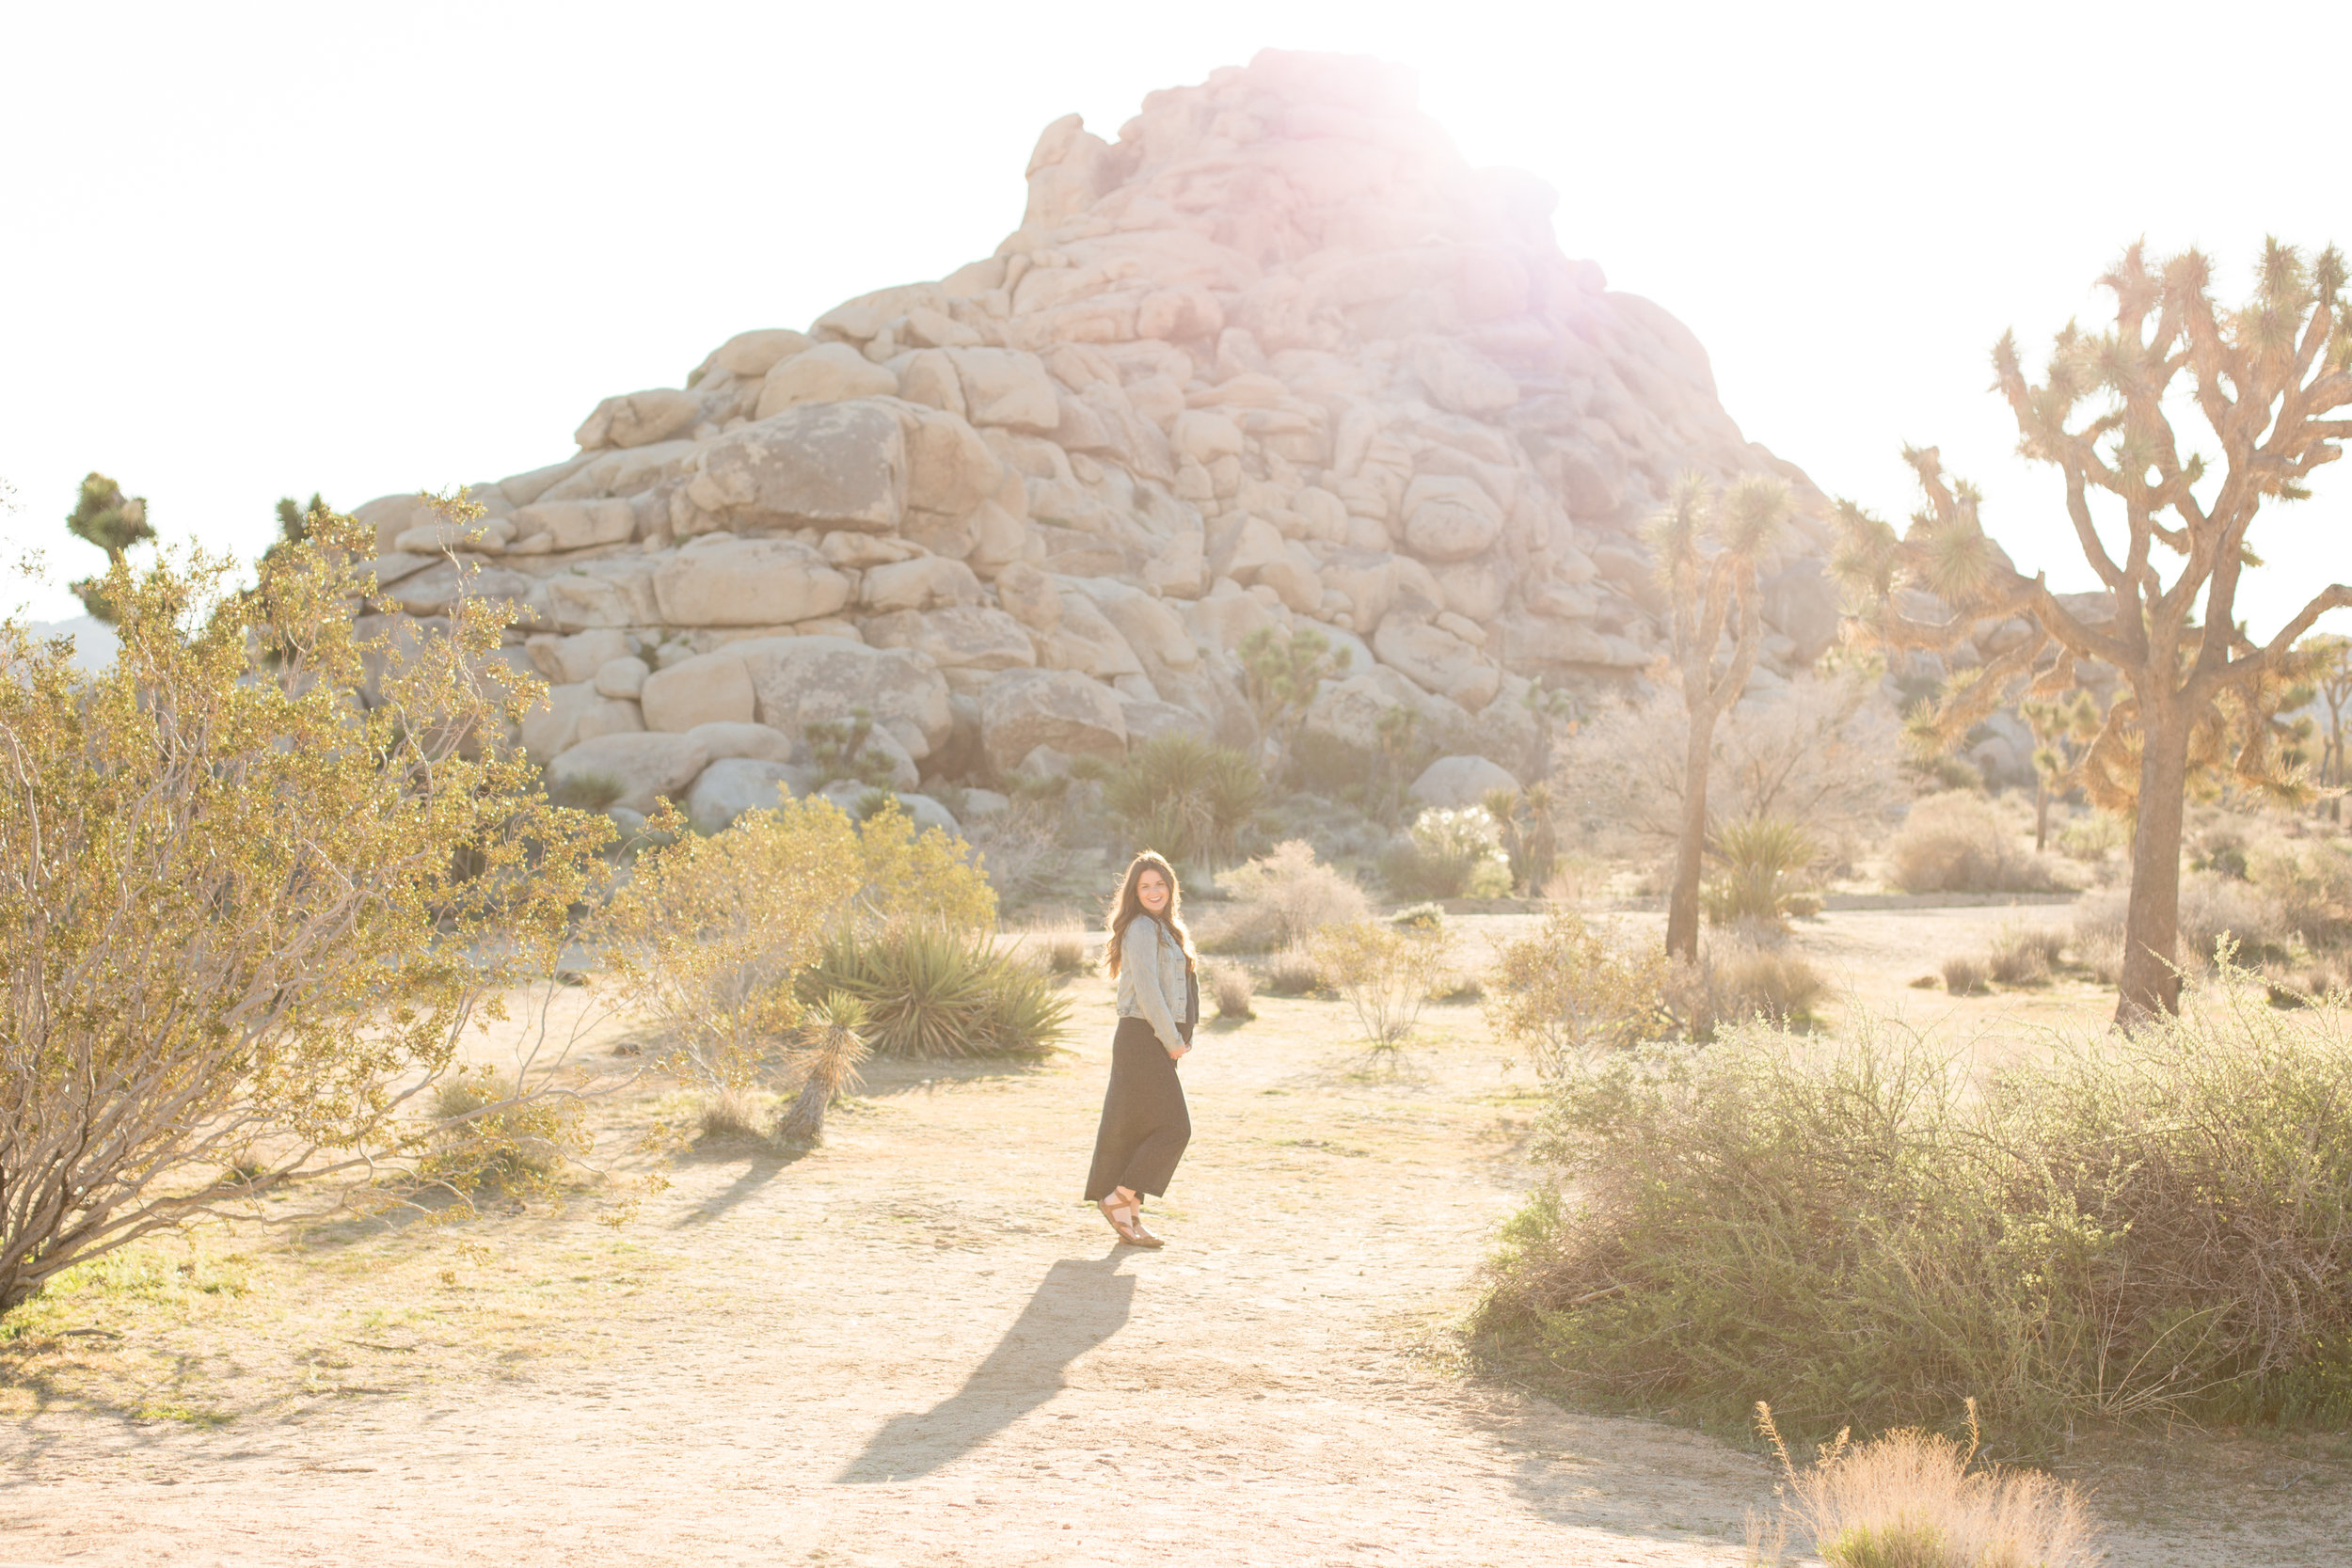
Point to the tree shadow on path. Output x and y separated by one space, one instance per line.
1080 1303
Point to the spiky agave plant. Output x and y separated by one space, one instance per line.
833 1045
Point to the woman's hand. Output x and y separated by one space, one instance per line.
1178 1053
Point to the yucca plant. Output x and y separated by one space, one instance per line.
1763 860
1186 797
934 994
835 1044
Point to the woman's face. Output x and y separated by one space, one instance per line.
1151 889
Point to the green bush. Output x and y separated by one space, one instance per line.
932 993
1449 854
2144 1229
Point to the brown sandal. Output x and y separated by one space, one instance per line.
1112 1209
1140 1237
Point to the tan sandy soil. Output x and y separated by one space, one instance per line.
915 1346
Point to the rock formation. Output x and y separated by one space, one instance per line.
1277 355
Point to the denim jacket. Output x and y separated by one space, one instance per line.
1153 982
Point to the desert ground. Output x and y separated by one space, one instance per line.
915 1345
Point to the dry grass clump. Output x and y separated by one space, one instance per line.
1234 987
1966 975
1954 842
1774 983
1279 901
1917 1499
2024 955
2144 1228
733 1112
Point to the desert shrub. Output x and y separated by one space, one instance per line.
1758 866
840 751
833 1043
1066 954
1385 973
1418 917
1025 850
707 938
486 1130
932 992
2092 835
1955 843
2023 954
1279 901
1965 975
1572 990
1918 1499
1232 987
1293 972
2153 1226
1184 796
246 909
1449 854
2308 886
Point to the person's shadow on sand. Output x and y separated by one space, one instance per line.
1080 1303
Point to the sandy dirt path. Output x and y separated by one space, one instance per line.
915 1346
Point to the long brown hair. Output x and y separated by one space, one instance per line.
1130 905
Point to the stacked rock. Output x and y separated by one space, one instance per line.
1275 356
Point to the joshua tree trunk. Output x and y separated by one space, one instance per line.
2152 924
2041 812
1682 905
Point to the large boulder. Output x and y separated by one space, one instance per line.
1023 709
925 582
1450 518
553 724
747 582
1437 661
1005 386
708 688
637 768
749 355
961 637
1455 782
830 373
732 786
724 740
639 419
797 679
825 465
579 657
576 525
1350 711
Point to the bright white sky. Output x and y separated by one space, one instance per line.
253 250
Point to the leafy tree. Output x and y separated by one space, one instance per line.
247 917
104 516
2267 382
1280 673
1706 542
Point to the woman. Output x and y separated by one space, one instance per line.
1145 1125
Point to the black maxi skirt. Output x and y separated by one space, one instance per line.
1145 1124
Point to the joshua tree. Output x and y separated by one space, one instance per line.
2264 380
1281 672
1706 542
104 516
2062 728
2330 674
834 1046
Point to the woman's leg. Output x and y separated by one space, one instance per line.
1153 1165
